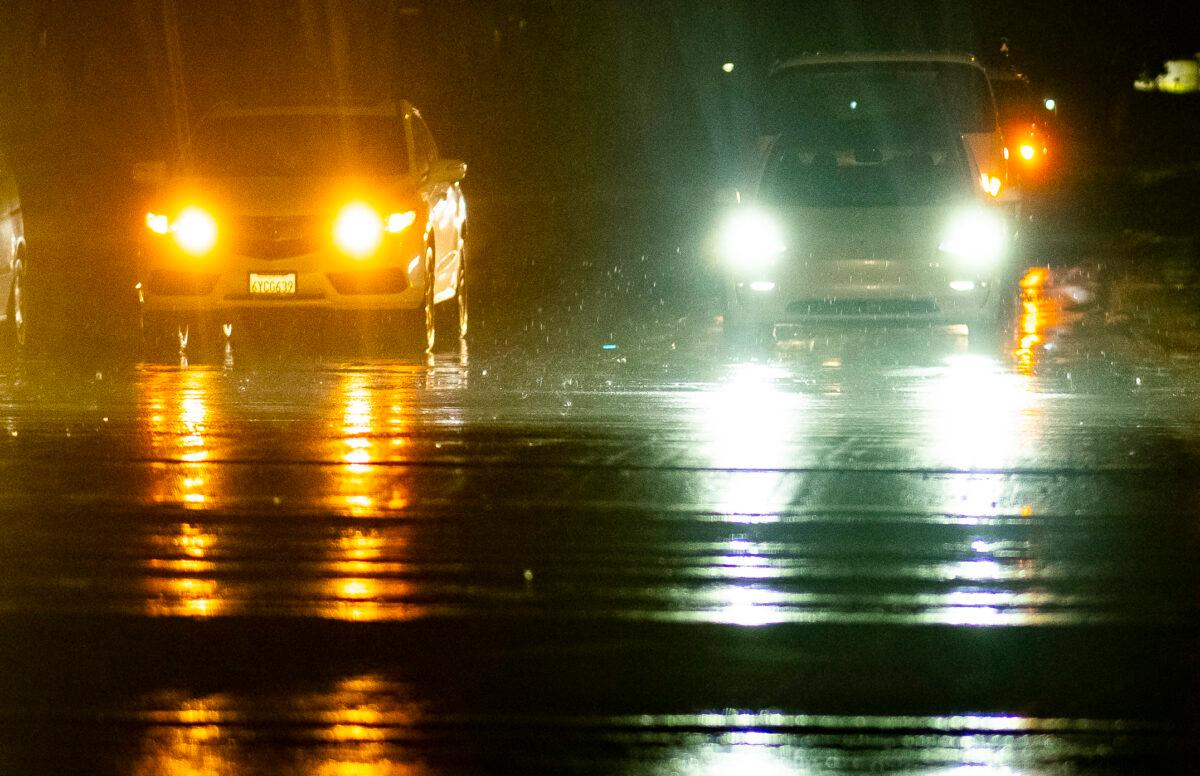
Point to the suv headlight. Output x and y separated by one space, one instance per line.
751 239
976 235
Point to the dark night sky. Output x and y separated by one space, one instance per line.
564 78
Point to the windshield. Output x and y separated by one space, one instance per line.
880 89
858 163
299 145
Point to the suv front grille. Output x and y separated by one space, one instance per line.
899 308
271 237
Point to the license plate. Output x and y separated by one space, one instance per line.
273 284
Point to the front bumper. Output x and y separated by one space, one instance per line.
932 291
392 279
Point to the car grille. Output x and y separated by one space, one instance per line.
282 237
171 283
386 281
863 307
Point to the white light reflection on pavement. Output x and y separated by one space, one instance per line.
979 416
982 420
747 426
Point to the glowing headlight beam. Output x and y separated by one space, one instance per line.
358 230
751 238
398 222
195 231
990 183
159 224
975 235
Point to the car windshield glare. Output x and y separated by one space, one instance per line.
299 145
957 92
866 164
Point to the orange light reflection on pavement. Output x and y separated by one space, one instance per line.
1034 316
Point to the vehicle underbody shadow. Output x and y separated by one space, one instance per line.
213 339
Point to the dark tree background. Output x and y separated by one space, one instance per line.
545 92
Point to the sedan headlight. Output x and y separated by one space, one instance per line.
194 229
358 230
398 222
977 236
751 239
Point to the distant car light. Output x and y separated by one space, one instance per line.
962 285
976 236
762 286
358 230
750 239
194 229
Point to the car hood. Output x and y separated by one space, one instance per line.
288 196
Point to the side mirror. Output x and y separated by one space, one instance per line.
150 173
446 171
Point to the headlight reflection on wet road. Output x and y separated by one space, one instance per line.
340 731
979 416
748 426
785 522
177 406
366 725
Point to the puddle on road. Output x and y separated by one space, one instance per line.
370 725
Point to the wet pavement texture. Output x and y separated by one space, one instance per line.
608 549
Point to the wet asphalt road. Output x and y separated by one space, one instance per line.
599 541
869 549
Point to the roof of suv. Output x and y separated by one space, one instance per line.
876 56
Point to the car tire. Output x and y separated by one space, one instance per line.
424 332
166 337
17 330
453 314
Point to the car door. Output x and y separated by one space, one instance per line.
442 200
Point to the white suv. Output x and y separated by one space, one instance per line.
335 209
874 193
